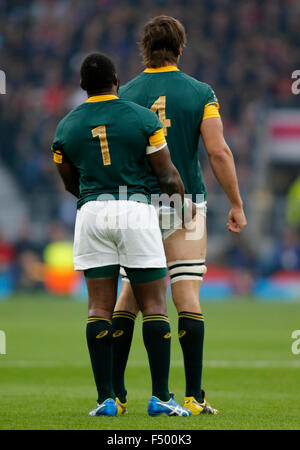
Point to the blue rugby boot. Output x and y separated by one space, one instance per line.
107 408
170 408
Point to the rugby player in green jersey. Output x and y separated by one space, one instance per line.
187 109
99 147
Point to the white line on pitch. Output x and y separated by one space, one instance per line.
215 364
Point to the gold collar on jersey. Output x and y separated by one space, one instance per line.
101 98
161 69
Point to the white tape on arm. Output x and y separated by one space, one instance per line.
153 148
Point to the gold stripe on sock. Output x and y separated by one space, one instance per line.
155 317
96 319
121 311
128 315
155 320
124 316
190 316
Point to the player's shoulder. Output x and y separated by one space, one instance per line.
71 119
139 117
202 88
131 85
71 115
132 105
139 111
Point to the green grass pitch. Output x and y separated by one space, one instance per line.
250 374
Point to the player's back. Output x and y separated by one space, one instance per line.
106 141
179 100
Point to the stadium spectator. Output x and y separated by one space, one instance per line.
29 273
241 258
293 203
7 254
7 265
245 50
284 256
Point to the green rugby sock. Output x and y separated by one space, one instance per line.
191 337
122 332
157 340
99 340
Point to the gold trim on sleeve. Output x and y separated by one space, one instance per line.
157 138
57 156
211 110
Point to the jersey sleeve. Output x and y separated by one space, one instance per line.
155 133
57 148
211 106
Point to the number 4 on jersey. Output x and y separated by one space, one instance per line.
159 106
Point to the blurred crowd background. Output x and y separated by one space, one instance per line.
245 50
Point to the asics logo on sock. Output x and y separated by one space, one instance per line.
118 333
181 333
102 334
167 335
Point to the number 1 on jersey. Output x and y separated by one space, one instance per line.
101 132
160 106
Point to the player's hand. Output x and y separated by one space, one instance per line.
236 220
191 207
190 211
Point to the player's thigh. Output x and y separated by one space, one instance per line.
151 296
186 252
102 294
126 300
188 243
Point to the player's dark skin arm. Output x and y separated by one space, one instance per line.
222 164
70 177
167 175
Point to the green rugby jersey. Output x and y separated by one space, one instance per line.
106 138
181 103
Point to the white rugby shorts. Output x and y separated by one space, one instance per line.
117 232
169 221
